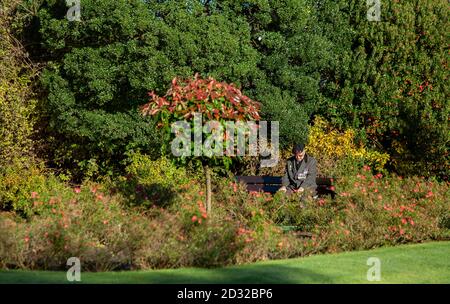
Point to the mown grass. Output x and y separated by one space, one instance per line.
418 263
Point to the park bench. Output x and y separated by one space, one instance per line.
271 184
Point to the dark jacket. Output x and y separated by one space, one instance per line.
302 174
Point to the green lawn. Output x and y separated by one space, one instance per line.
419 263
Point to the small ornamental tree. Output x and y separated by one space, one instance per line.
219 102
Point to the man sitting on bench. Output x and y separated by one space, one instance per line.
301 171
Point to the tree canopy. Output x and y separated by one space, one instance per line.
388 79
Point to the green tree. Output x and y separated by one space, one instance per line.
99 69
300 58
294 58
392 80
219 103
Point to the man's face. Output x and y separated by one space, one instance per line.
300 155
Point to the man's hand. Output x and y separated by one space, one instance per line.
283 189
299 190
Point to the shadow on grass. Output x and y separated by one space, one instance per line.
258 274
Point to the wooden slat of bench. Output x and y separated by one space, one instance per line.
276 180
324 181
263 188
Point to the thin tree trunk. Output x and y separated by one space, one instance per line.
208 189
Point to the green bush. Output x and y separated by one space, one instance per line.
24 186
372 211
160 171
16 103
91 226
150 181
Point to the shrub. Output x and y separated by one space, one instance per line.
329 145
257 230
387 80
23 186
16 98
150 181
373 210
161 171
83 222
9 246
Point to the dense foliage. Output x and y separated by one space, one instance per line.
392 81
329 145
16 103
95 223
101 69
83 173
387 79
214 102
